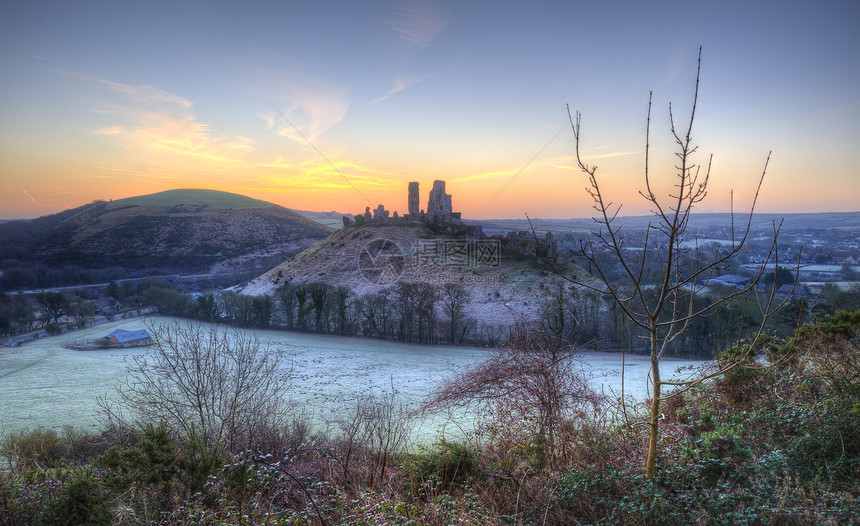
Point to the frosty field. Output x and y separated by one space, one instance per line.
44 385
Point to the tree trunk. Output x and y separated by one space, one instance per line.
655 409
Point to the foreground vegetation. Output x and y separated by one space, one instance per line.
759 445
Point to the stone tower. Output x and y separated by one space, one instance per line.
413 201
439 205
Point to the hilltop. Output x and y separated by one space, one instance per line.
176 231
500 283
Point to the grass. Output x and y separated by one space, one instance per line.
212 199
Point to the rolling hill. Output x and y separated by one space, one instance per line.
176 231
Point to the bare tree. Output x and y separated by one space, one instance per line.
236 308
454 297
664 310
218 384
302 308
425 297
532 378
405 301
376 430
376 311
319 292
82 310
340 308
286 294
52 306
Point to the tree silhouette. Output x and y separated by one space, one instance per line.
665 310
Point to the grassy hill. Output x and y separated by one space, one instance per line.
167 202
176 231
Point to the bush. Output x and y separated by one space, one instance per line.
82 501
158 465
48 449
440 470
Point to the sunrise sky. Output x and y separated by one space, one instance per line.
104 100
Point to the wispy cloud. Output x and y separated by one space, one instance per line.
355 172
142 94
312 107
269 120
111 130
30 196
569 162
277 163
184 135
154 118
319 174
399 85
417 23
239 143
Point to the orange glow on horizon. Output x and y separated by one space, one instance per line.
188 157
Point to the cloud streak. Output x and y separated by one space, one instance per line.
312 108
143 94
399 85
569 163
157 119
417 23
30 196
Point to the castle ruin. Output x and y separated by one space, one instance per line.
413 200
440 216
525 243
439 204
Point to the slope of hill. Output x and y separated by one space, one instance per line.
176 231
374 258
333 219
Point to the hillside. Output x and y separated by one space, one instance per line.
333 219
374 258
176 231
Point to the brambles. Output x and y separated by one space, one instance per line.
532 388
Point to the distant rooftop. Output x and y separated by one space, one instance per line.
124 336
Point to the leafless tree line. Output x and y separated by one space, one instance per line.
411 312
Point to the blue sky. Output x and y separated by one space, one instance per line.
106 100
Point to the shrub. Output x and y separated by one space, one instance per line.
82 501
159 464
49 449
447 466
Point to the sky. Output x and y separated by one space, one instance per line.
338 105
